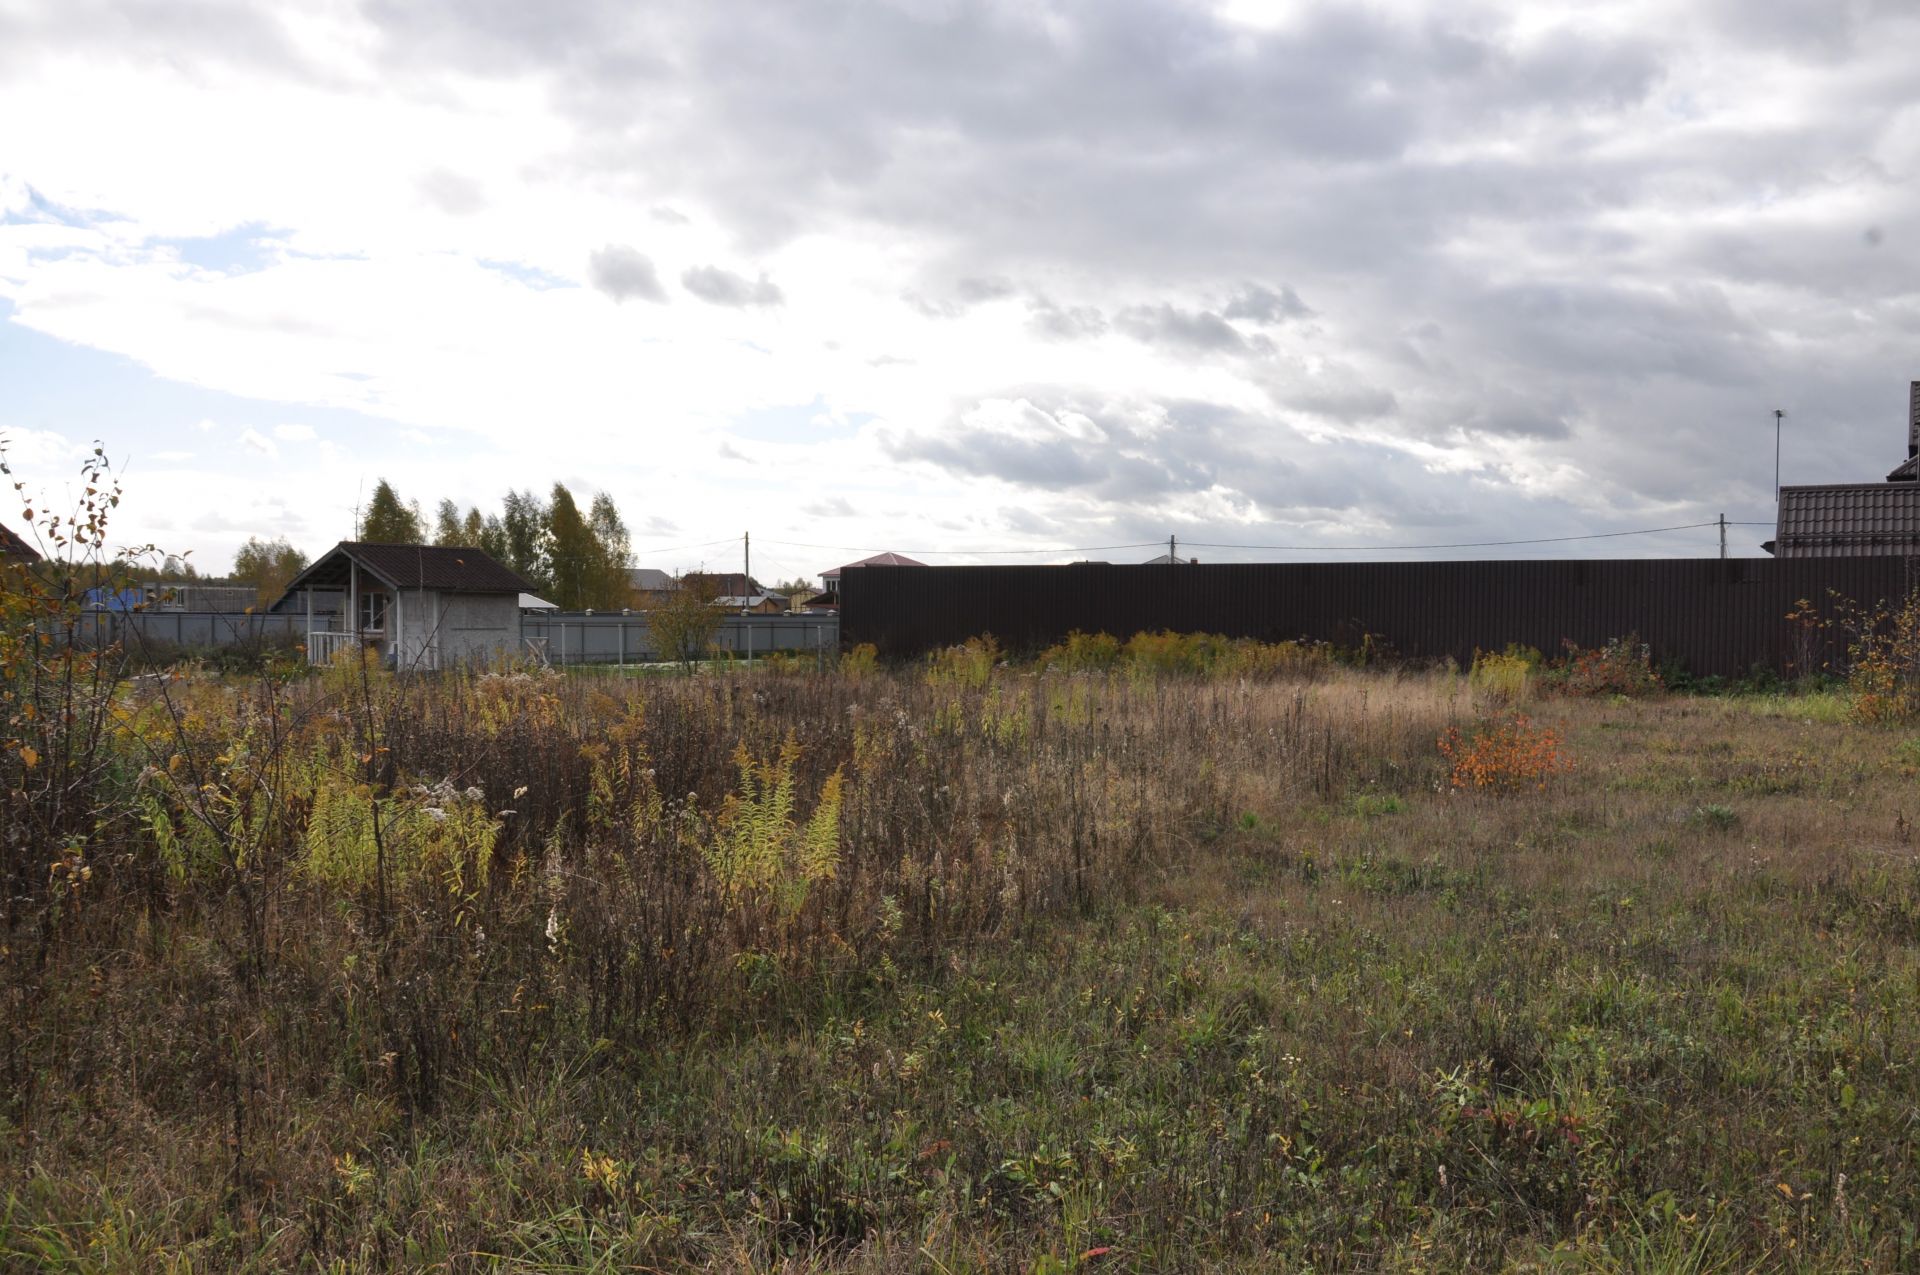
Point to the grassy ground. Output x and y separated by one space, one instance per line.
1113 975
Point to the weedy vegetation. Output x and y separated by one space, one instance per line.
1165 954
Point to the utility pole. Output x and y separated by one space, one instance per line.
746 590
1723 536
1777 415
1173 551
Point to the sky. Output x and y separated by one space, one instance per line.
973 281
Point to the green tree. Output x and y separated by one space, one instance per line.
573 553
473 531
388 521
525 538
492 536
446 525
612 589
268 565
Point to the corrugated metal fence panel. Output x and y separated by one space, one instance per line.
1713 615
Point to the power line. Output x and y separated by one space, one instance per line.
724 540
1463 544
935 553
1199 544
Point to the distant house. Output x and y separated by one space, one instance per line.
721 584
753 603
830 580
827 601
419 606
1167 558
650 587
14 550
1844 520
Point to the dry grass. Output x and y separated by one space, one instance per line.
1213 973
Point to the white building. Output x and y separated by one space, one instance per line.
419 606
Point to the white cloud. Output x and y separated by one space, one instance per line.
1332 270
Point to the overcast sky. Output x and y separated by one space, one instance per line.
935 275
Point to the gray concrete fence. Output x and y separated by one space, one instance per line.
564 638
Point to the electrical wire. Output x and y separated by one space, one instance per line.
1459 544
724 540
935 553
1207 544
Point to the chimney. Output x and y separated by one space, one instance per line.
1913 420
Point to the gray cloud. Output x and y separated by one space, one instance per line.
1203 330
1581 243
624 273
1063 323
1263 305
723 287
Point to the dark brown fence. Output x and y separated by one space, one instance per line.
1714 616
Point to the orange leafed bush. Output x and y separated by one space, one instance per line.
1507 754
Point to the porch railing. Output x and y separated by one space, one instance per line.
323 645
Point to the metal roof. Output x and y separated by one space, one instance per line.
443 568
649 579
1845 520
887 559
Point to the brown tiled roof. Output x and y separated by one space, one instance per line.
443 568
14 547
887 559
1848 519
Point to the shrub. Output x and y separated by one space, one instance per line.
1082 653
1502 677
1624 666
1506 754
861 660
1883 659
968 664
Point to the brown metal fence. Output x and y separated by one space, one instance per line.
1714 616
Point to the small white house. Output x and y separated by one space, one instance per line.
419 606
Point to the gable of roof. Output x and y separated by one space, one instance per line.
727 583
649 580
887 559
1842 519
13 546
441 568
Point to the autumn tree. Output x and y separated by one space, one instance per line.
612 587
447 528
388 521
685 622
268 565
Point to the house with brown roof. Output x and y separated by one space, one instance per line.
1844 520
14 549
418 606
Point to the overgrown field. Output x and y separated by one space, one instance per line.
974 968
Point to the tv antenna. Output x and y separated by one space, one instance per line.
1778 416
